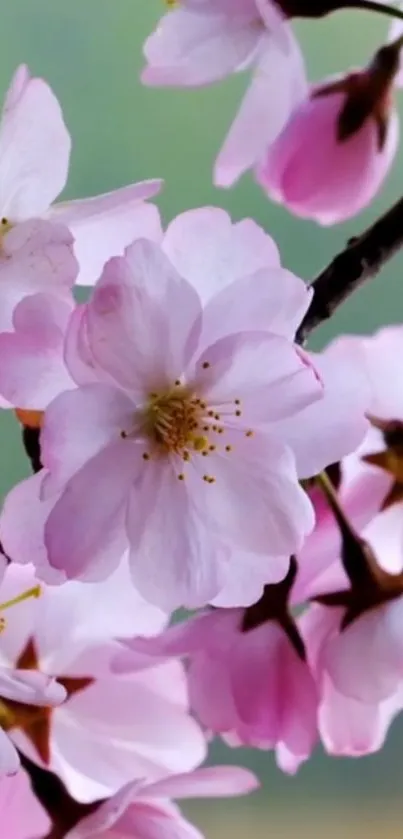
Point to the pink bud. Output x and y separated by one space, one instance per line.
337 148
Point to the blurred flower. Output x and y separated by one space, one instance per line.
247 674
203 41
109 728
143 810
334 153
34 159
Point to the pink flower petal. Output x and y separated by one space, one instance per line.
190 49
207 782
265 372
22 815
78 425
163 522
32 368
103 226
36 256
34 149
332 427
140 319
277 86
211 252
22 524
256 501
93 503
9 759
30 687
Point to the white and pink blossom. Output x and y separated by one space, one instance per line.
33 173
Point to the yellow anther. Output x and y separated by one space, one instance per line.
200 443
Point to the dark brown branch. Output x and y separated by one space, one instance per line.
362 259
63 810
30 439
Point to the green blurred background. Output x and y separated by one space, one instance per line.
90 52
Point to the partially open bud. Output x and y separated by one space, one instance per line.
334 153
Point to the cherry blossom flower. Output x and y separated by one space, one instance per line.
22 817
144 809
185 438
109 728
33 174
247 674
243 287
204 41
358 128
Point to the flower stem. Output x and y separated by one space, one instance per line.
363 258
379 8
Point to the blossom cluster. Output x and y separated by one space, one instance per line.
189 453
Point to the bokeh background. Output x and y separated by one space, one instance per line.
90 52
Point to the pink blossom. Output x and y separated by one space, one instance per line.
144 810
243 287
33 174
109 728
22 817
250 684
358 128
205 41
124 429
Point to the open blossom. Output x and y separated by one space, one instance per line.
168 391
142 809
247 674
109 728
173 448
201 42
358 128
22 817
33 174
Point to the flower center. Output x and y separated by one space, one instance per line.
176 421
173 420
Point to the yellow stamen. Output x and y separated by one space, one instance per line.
26 595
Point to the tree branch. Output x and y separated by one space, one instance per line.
362 259
63 810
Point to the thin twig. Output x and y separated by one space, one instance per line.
362 259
